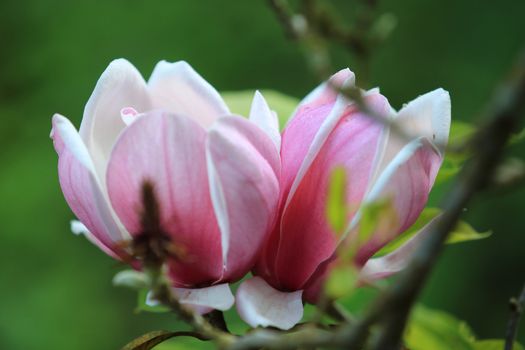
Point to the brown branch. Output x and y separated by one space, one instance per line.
152 246
516 307
504 116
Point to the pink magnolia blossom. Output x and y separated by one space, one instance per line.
215 175
328 131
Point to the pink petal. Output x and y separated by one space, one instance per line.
352 143
120 86
258 304
81 188
396 261
262 116
169 151
407 170
243 166
178 88
407 180
202 300
325 93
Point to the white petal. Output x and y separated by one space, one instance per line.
258 304
79 228
428 116
201 300
398 260
263 117
119 86
178 88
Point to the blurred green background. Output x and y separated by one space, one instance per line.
56 291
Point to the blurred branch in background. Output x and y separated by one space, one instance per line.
316 25
502 120
516 306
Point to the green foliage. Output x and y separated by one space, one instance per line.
455 156
240 102
341 281
336 208
493 344
437 330
462 233
460 133
517 138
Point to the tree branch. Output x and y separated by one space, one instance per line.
516 306
503 117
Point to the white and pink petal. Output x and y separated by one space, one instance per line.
243 168
201 300
178 88
259 304
82 189
120 86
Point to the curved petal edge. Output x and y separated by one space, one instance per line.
259 304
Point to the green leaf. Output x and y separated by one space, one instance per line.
341 281
462 233
240 102
460 133
142 306
465 232
493 344
436 330
336 209
449 168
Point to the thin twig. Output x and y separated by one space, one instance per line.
284 15
152 246
315 27
516 306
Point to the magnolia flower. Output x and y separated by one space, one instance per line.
328 131
215 175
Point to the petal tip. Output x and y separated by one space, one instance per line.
259 304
